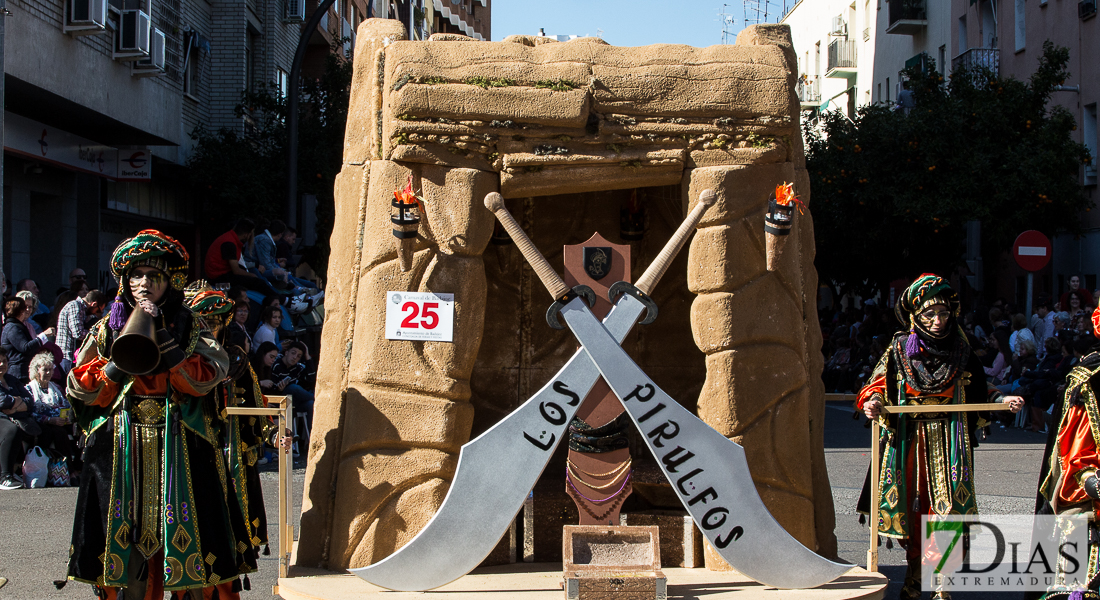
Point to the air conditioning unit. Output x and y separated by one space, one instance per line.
1086 9
85 17
295 11
153 65
840 27
132 37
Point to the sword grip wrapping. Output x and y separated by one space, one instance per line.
657 269
549 277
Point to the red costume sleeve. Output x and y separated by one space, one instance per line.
1077 451
90 377
194 368
877 385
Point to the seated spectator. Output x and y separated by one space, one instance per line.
72 325
268 331
28 285
997 318
52 411
237 327
836 369
1001 368
267 262
293 374
17 340
225 255
262 361
16 406
284 250
33 328
1020 331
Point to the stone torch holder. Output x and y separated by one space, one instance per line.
612 563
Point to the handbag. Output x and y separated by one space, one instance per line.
36 468
58 472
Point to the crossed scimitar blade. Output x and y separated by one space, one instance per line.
497 470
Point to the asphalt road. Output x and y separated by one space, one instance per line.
35 525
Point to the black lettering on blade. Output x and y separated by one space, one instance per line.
558 416
561 388
732 536
639 395
662 432
544 447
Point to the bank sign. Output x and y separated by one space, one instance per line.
43 143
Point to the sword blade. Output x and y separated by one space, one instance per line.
495 473
708 471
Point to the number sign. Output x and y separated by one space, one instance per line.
420 316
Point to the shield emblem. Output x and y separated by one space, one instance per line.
597 261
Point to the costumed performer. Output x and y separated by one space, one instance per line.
152 512
244 435
1071 486
926 458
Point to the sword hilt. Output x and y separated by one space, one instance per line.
657 268
549 277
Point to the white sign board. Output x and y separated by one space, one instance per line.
420 316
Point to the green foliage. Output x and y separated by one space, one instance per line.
244 175
891 193
489 82
557 85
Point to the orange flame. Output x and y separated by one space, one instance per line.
784 195
408 196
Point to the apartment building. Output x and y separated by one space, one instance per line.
835 44
1007 36
909 33
102 97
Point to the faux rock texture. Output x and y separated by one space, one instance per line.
584 122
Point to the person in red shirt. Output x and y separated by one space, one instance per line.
223 259
1075 289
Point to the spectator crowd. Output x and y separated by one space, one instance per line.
1023 355
277 309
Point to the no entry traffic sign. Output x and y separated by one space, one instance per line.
1032 250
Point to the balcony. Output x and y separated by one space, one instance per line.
809 93
907 17
978 59
842 59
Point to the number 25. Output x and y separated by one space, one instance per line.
430 318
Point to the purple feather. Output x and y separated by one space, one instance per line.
118 314
912 345
1077 595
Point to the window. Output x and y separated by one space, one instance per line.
250 63
1088 133
941 60
964 44
1021 25
887 89
282 80
879 92
192 70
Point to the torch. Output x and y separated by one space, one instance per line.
778 221
406 223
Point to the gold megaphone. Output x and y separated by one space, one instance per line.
135 350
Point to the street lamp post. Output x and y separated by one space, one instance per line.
292 111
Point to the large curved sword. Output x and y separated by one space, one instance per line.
508 459
708 471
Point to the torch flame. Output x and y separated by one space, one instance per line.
784 195
408 196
